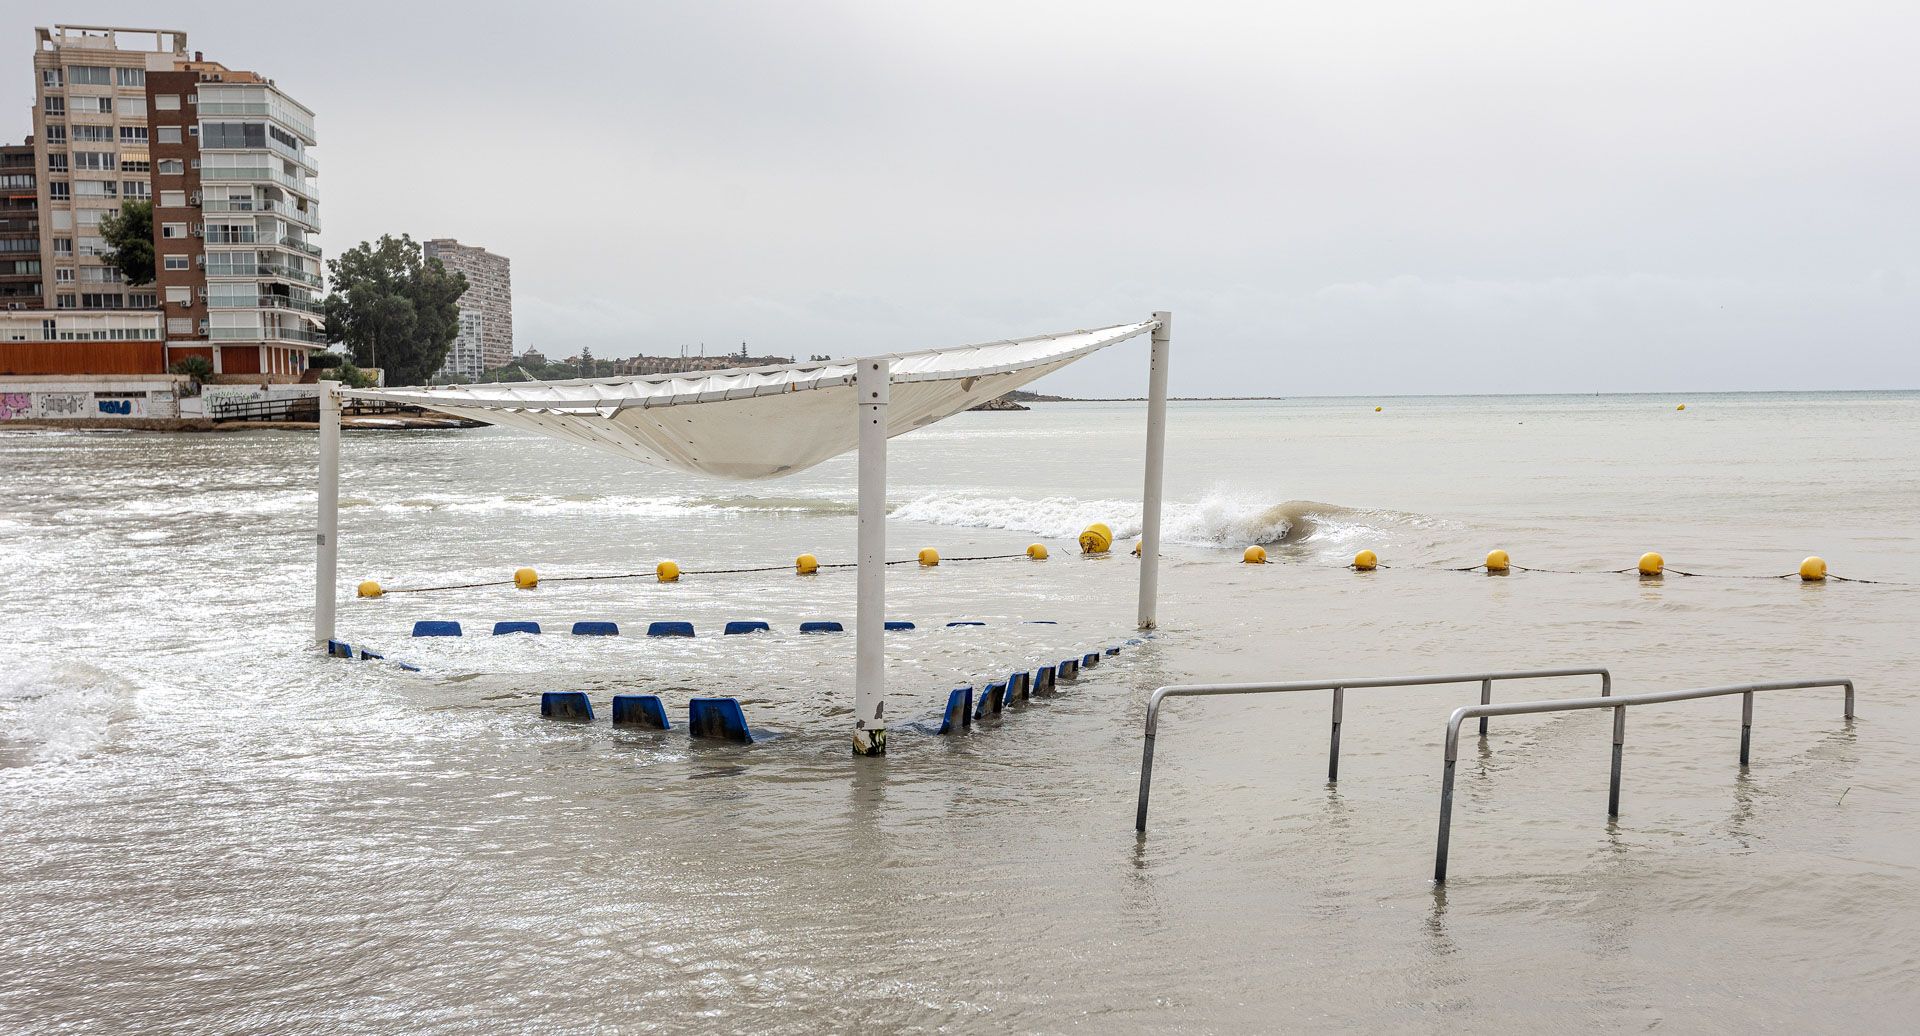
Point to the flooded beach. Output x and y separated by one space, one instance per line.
210 826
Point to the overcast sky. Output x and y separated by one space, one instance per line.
1333 198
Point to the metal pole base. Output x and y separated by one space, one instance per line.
870 742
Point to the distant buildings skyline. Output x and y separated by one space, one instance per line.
485 338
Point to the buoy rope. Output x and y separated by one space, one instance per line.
654 573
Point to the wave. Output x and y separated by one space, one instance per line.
1219 519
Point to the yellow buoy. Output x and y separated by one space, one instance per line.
1137 545
806 565
1255 555
1682 406
1037 551
1378 409
526 578
668 571
1366 561
1497 561
1814 569
1652 564
1096 539
929 558
371 589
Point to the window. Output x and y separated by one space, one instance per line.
130 76
170 230
172 167
63 246
50 78
59 191
166 102
133 135
179 325
16 182
90 75
179 295
234 134
133 107
96 189
93 134
169 134
56 133
63 274
175 262
173 199
135 165
102 300
103 161
136 189
93 105
55 105
65 301
142 300
57 163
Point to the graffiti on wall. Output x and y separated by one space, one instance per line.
63 404
15 405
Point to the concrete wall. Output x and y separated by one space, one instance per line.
100 398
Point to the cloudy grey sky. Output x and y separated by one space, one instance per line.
1333 198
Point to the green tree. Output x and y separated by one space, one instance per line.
394 308
129 235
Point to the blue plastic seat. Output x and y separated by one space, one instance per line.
718 718
596 629
822 627
640 710
670 629
503 628
959 714
748 626
436 628
565 705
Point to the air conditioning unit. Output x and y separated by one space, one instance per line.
203 293
197 230
194 198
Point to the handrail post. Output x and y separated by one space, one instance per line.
1486 698
1333 749
1746 727
1446 801
1146 761
1619 740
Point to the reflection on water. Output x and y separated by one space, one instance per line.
211 828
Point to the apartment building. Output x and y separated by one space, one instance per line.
223 156
19 228
485 338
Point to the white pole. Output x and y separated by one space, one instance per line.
328 536
871 385
1156 469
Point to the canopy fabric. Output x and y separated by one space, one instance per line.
757 422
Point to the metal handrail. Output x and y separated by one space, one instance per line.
1619 706
1339 689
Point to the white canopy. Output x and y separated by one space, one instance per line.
758 422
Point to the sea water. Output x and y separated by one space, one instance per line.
208 826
